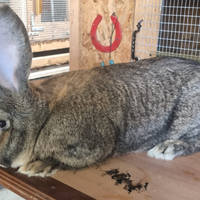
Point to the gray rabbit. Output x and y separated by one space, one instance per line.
82 118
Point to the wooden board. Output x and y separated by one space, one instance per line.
178 179
75 60
50 60
89 9
49 45
35 188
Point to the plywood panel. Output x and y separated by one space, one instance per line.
89 9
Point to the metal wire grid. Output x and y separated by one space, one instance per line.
170 28
55 11
54 18
19 7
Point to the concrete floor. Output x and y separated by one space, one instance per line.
6 194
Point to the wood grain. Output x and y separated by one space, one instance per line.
75 52
85 55
38 188
178 179
49 45
43 61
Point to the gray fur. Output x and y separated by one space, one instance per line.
82 118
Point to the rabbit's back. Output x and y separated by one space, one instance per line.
115 109
158 89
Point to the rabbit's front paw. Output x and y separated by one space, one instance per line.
168 150
37 168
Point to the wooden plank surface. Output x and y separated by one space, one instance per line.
36 188
159 180
178 179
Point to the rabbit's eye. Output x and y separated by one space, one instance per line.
2 123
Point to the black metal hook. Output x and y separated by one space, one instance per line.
133 40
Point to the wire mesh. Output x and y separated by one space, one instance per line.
19 7
54 19
54 11
170 28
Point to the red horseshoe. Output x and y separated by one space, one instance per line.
118 35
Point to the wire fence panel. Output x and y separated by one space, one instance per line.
51 24
170 28
19 7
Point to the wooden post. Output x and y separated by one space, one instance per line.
74 35
38 7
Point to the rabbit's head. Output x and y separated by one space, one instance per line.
21 112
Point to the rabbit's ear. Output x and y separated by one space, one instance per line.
15 51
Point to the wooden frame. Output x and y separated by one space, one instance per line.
74 35
50 60
49 45
57 59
